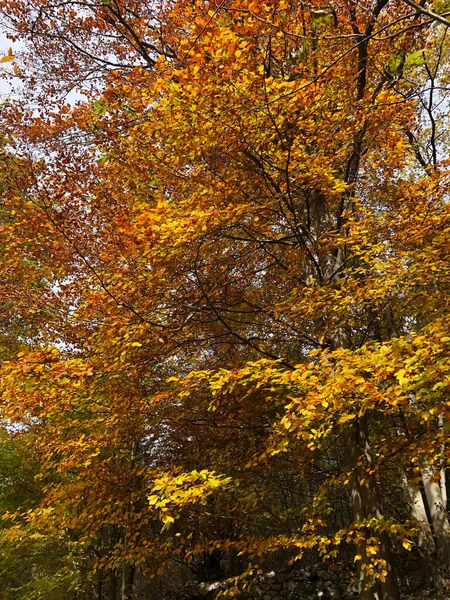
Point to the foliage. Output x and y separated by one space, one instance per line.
229 266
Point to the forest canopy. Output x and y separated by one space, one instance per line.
224 293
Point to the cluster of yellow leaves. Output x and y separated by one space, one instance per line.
171 492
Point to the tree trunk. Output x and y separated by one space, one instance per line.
113 588
436 506
128 572
425 540
443 479
443 485
419 514
366 505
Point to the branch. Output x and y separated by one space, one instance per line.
429 13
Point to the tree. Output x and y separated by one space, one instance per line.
241 239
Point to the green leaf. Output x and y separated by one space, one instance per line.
100 108
395 62
415 59
321 19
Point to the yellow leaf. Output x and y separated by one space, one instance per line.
407 544
7 58
346 418
167 520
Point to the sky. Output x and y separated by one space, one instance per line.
5 44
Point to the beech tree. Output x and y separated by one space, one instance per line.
233 252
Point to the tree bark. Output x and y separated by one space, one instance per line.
425 540
113 581
443 479
366 504
436 506
419 514
128 573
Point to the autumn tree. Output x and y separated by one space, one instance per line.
241 237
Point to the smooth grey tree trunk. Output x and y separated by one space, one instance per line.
436 505
425 540
419 515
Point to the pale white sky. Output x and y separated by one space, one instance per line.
5 44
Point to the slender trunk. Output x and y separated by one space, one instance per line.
434 541
128 573
436 506
419 514
366 505
113 581
425 541
443 486
443 480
